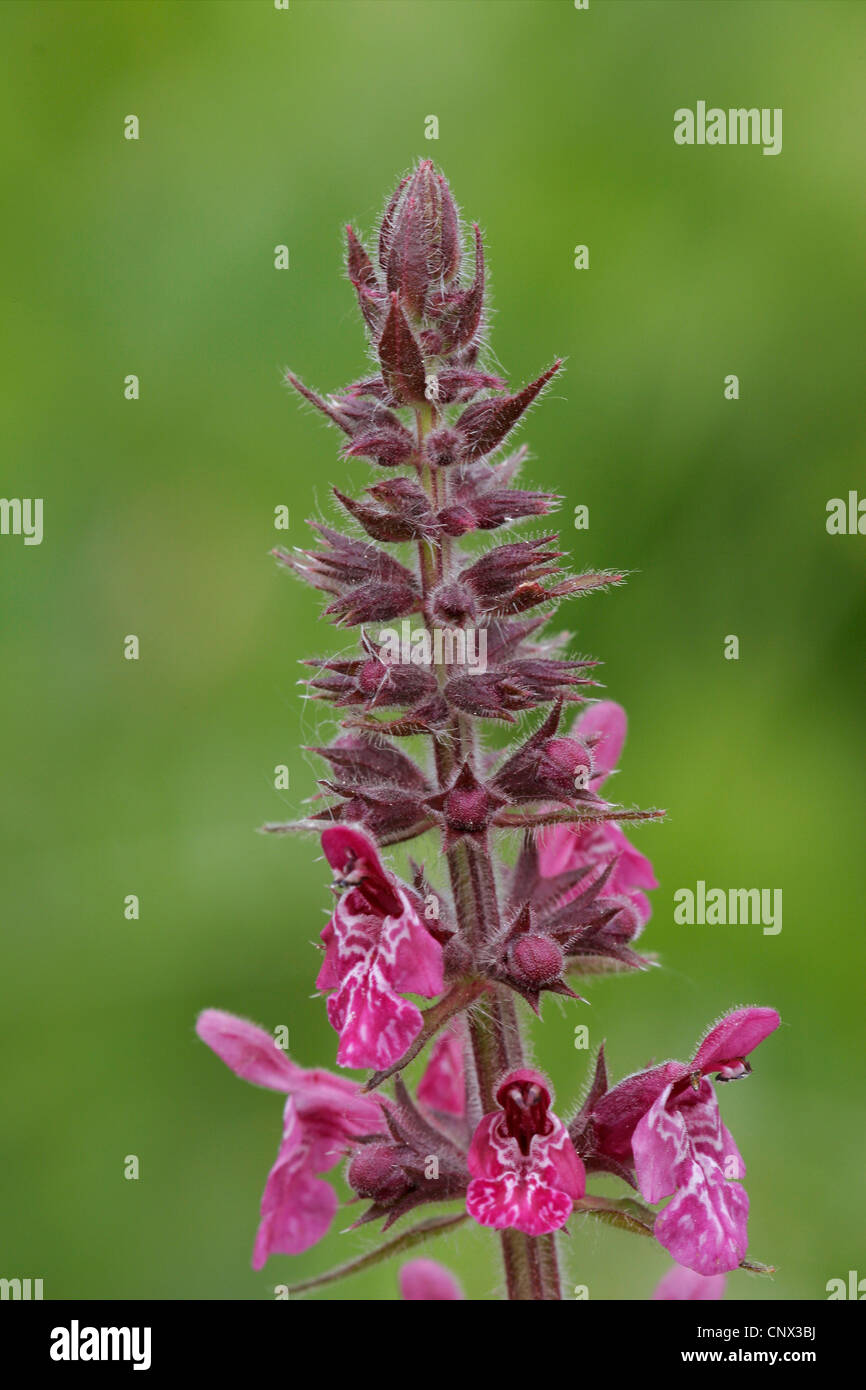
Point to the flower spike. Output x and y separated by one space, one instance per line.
463 721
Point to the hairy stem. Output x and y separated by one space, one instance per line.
531 1270
530 1263
549 1266
418 1235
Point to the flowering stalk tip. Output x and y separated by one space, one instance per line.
471 933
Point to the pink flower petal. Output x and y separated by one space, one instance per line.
375 1025
556 849
371 959
533 1193
559 1163
520 1201
297 1208
562 848
735 1036
704 1224
633 869
329 974
297 1211
340 842
409 955
427 1281
485 1158
250 1052
681 1284
330 1123
443 1085
348 849
709 1138
661 1148
322 1115
607 719
618 1112
677 1149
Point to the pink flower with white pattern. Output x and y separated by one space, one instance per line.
602 728
425 1281
377 948
525 1171
666 1121
323 1114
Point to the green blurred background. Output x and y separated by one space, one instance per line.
261 127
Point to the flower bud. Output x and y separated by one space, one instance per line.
486 425
419 247
385 523
536 961
456 520
566 763
389 448
400 358
467 808
443 447
451 604
375 1173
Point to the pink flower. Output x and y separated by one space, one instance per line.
666 1121
602 728
427 1281
681 1284
443 1085
526 1173
377 948
323 1114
